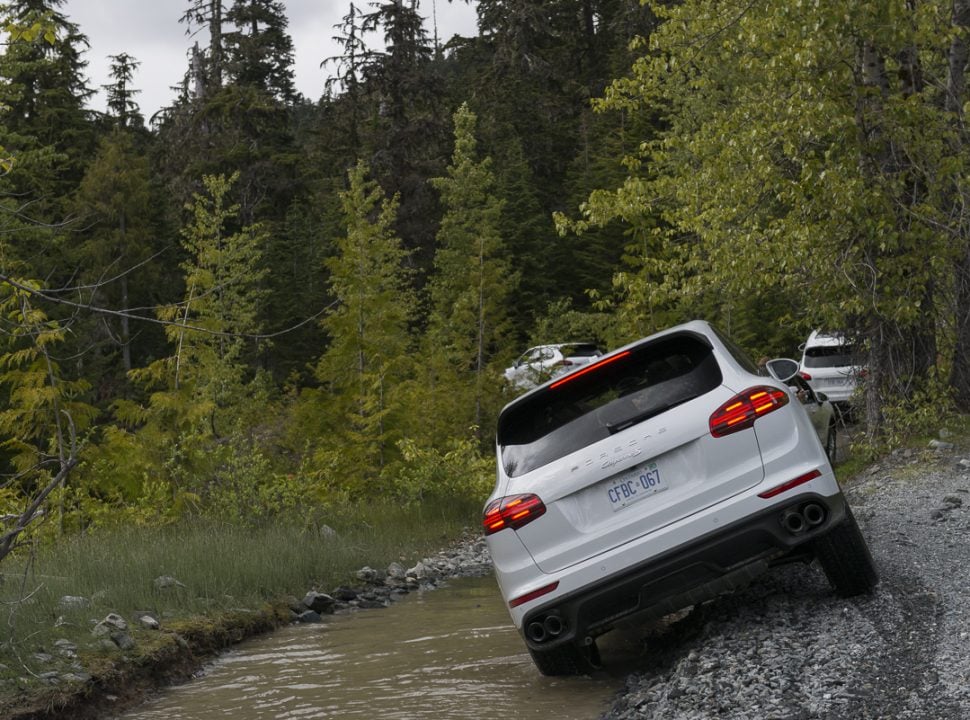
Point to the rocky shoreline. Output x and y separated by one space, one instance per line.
378 588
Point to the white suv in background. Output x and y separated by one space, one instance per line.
830 365
659 476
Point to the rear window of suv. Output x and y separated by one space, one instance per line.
823 356
580 350
591 405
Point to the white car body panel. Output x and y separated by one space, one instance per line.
698 474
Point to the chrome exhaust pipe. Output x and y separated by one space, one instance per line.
554 625
814 514
536 632
793 522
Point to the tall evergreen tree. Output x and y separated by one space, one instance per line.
44 94
367 359
114 201
411 129
259 52
472 280
350 67
204 382
120 93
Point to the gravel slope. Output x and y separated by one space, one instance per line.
786 648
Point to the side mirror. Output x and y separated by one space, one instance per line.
822 397
782 369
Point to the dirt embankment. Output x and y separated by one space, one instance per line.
787 648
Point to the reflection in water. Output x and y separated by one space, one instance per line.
448 653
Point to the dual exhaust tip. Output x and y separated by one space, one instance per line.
548 628
797 520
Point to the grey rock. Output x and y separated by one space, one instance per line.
115 620
940 445
419 571
148 621
370 575
65 648
111 624
319 602
309 616
396 571
123 640
76 677
344 594
167 582
364 604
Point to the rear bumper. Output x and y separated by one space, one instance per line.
836 393
691 573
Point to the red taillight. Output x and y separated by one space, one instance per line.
743 409
590 368
538 592
785 487
513 512
804 375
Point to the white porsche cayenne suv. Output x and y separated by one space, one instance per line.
657 477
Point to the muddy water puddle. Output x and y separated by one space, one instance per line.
449 653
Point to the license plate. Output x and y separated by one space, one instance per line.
640 483
837 382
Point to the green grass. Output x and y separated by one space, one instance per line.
221 568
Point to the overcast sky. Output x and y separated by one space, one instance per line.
149 31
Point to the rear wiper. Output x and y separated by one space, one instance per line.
616 427
638 418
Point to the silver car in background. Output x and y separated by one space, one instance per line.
543 362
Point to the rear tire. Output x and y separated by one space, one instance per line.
567 659
845 558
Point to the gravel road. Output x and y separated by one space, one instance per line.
786 648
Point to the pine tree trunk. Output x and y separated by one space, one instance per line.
955 97
215 45
125 327
960 373
874 161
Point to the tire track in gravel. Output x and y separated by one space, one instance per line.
898 673
787 648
